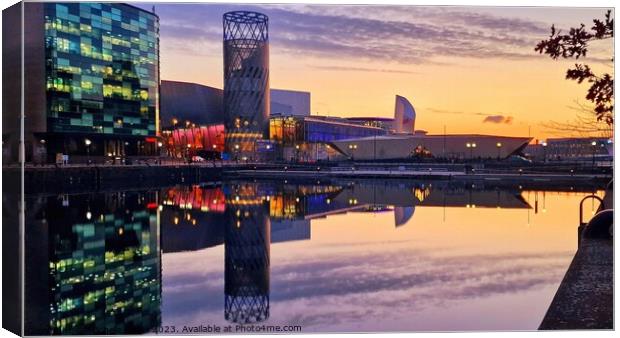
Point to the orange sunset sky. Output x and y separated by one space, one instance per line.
470 69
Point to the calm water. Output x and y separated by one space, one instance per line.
328 256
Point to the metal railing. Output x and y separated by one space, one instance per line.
602 207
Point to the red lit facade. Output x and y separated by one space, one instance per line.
194 141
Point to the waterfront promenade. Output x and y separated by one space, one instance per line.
584 299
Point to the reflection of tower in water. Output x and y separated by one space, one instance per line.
247 241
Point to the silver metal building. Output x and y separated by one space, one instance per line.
246 82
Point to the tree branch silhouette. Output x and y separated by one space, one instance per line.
584 124
575 45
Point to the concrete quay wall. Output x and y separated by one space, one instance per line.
93 178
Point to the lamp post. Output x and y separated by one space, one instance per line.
87 142
187 156
374 146
593 153
237 153
159 145
471 147
297 153
499 149
544 145
352 148
269 154
468 145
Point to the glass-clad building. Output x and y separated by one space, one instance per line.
307 139
293 130
92 84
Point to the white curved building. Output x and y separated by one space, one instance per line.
404 116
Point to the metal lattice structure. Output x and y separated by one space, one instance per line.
246 81
246 272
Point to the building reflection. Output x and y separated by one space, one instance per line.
246 243
192 218
93 264
197 217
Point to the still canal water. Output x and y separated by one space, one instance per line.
327 256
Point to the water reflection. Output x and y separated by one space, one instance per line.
93 264
246 242
94 260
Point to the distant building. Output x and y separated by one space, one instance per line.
183 102
296 137
458 147
404 116
92 80
403 121
307 139
571 149
290 102
193 114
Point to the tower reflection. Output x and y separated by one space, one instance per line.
246 242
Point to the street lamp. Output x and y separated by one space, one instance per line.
499 149
593 153
544 144
352 147
159 145
471 147
87 142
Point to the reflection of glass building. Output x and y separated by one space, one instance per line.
92 85
246 81
93 265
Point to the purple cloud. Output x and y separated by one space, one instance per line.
498 119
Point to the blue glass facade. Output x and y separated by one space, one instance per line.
321 132
102 69
289 131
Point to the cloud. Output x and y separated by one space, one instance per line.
393 34
491 118
363 69
498 119
319 291
442 111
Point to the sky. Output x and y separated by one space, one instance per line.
465 69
